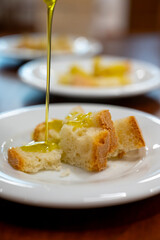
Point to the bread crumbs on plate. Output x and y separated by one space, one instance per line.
65 173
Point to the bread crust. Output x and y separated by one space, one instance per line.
15 159
39 129
105 143
105 121
139 140
101 147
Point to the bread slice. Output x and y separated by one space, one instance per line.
32 162
86 142
129 136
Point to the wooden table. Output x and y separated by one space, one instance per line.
138 220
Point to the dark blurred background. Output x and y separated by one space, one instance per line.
127 28
97 18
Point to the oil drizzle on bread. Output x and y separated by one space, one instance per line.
42 147
79 120
55 124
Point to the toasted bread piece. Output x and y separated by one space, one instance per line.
129 136
32 162
88 146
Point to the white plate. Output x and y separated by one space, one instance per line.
126 180
145 77
80 46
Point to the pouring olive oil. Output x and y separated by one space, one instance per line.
45 146
50 10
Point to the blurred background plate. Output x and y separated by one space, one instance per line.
144 76
31 46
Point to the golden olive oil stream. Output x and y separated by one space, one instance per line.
50 10
46 146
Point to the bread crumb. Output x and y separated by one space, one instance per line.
58 168
65 173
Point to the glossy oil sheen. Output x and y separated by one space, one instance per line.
41 147
80 120
55 124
